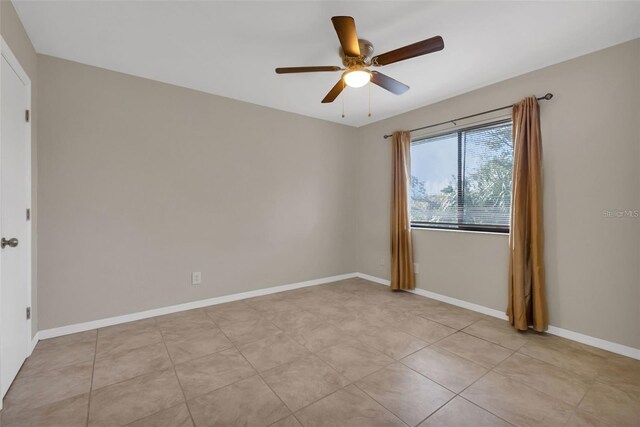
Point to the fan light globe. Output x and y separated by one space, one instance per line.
357 78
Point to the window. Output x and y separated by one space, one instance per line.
462 180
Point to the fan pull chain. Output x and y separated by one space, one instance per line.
369 84
343 96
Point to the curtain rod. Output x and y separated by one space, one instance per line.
547 97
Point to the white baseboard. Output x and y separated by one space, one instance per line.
443 298
34 342
110 321
613 347
373 279
460 303
553 330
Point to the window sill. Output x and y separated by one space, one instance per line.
456 230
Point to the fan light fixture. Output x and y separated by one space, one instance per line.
357 78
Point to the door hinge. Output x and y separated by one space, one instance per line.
26 116
28 214
28 313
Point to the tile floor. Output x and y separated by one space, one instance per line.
348 353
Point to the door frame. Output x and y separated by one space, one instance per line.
8 55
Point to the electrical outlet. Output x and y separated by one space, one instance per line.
196 278
416 268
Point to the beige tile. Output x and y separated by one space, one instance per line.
612 406
622 373
272 351
136 325
182 324
537 387
290 421
339 299
356 304
545 377
211 372
335 312
71 412
303 381
51 354
348 407
425 329
246 403
176 416
448 315
340 287
127 336
311 299
233 312
117 367
581 418
407 394
378 299
594 350
498 332
462 413
393 343
67 340
422 304
516 403
564 354
320 337
385 315
354 360
294 294
269 304
49 387
352 285
292 320
474 349
252 330
447 369
360 323
193 346
130 400
414 303
86 336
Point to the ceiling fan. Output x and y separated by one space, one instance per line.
356 57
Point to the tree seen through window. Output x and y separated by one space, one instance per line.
480 161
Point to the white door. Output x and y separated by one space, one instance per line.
14 190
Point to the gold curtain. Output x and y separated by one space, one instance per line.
527 299
401 251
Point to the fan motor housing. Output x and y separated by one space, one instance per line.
366 53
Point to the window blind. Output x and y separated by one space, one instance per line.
463 179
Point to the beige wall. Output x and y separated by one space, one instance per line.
15 36
591 140
142 183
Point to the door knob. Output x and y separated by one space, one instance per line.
11 242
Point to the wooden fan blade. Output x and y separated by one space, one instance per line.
287 70
334 92
433 44
388 83
346 28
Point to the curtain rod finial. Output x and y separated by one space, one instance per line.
548 96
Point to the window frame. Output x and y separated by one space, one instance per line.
458 226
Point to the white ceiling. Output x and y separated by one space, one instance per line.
232 48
